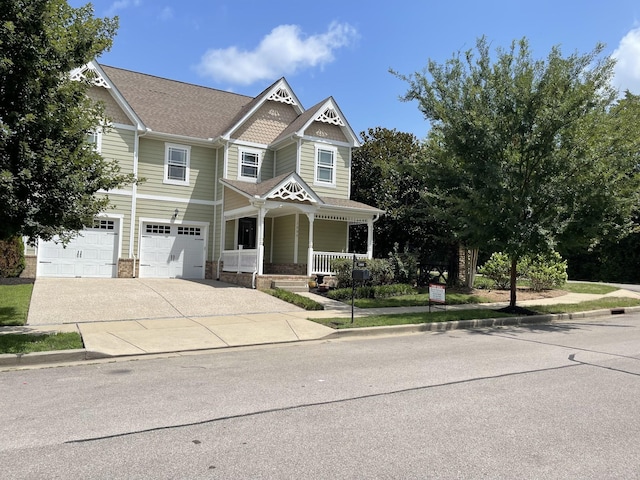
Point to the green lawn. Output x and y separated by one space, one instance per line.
14 304
409 318
597 288
25 343
444 316
416 300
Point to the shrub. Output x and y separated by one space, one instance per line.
380 270
11 257
545 271
404 265
379 291
295 299
498 268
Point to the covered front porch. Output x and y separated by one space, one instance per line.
288 230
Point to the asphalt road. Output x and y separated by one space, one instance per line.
558 401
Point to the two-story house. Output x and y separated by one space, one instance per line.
235 188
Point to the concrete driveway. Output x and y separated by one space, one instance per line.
78 300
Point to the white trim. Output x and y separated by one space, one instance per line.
299 156
97 134
241 143
296 240
225 169
144 196
349 173
187 152
122 126
328 142
173 138
134 191
260 157
116 191
316 165
247 211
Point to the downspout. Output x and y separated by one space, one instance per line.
134 193
222 222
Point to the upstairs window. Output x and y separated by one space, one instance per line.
325 172
94 138
176 164
249 165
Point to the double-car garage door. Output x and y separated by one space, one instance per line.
166 251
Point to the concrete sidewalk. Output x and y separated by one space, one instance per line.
179 334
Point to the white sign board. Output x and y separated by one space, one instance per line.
437 293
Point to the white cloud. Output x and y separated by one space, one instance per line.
627 69
121 5
284 51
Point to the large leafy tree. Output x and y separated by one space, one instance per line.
48 171
385 173
512 144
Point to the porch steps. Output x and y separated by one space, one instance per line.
291 285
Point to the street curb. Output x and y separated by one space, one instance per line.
38 358
478 323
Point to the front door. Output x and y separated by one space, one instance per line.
247 233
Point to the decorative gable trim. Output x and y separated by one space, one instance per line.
329 115
80 74
291 190
102 80
292 187
283 95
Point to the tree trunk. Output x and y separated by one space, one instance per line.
514 272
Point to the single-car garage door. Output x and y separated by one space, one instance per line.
93 253
172 251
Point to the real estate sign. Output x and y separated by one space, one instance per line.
437 293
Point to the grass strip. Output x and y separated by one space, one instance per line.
417 300
14 304
602 303
295 299
596 288
29 343
408 318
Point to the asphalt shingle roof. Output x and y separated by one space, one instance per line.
178 108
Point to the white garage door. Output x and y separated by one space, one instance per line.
93 253
172 251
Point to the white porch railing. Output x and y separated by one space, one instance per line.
322 261
240 260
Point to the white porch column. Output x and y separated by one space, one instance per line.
370 238
260 232
311 217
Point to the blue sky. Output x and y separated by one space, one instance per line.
345 48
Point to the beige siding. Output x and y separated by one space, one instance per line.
230 235
267 123
232 162
220 173
307 171
283 239
118 145
266 169
201 172
303 238
326 131
113 112
286 159
233 200
329 236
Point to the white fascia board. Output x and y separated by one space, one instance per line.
281 84
117 96
241 212
345 129
203 142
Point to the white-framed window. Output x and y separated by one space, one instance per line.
325 171
94 138
249 164
176 164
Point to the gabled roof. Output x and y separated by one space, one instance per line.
177 108
326 111
288 186
285 187
279 91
